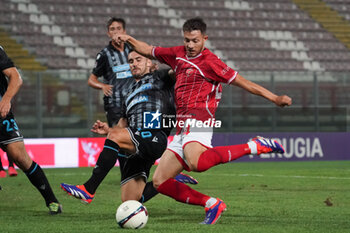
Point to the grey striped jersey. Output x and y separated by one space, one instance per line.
112 65
5 62
153 93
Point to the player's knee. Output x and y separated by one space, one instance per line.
22 160
192 165
157 181
114 136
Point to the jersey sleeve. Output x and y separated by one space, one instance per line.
100 65
165 55
220 72
5 61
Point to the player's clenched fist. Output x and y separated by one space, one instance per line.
283 100
120 38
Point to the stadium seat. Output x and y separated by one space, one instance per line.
275 28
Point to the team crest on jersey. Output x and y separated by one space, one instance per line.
189 72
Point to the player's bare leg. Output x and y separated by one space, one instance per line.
122 137
168 167
19 154
132 190
192 152
35 174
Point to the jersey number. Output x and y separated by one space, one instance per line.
8 125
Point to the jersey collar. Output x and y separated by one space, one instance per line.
200 54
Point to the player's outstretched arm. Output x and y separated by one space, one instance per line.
256 89
139 46
14 84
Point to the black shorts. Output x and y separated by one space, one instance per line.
9 131
113 116
150 145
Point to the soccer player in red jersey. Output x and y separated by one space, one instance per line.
199 73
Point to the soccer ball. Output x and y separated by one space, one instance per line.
131 214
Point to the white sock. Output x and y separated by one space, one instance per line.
253 147
210 202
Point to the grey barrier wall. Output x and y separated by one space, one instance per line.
60 104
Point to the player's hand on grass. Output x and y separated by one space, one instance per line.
100 127
283 100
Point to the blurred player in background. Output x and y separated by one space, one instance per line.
112 65
199 73
11 168
11 140
150 92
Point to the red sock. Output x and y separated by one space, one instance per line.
221 154
182 192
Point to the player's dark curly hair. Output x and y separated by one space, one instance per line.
115 19
195 24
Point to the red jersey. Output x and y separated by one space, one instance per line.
197 89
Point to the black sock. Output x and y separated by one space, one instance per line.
10 161
104 164
37 177
148 192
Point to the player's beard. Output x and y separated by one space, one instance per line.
137 76
140 72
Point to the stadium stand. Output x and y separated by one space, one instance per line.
273 35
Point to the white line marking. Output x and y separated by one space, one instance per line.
285 176
242 175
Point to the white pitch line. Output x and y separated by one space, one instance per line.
296 177
243 175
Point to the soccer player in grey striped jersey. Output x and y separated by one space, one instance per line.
112 65
136 145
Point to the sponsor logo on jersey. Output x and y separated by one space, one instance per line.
122 71
121 68
155 139
137 100
124 74
142 88
224 71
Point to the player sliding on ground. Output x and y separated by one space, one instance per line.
135 147
199 73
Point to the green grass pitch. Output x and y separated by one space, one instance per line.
261 197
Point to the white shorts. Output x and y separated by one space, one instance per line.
180 141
